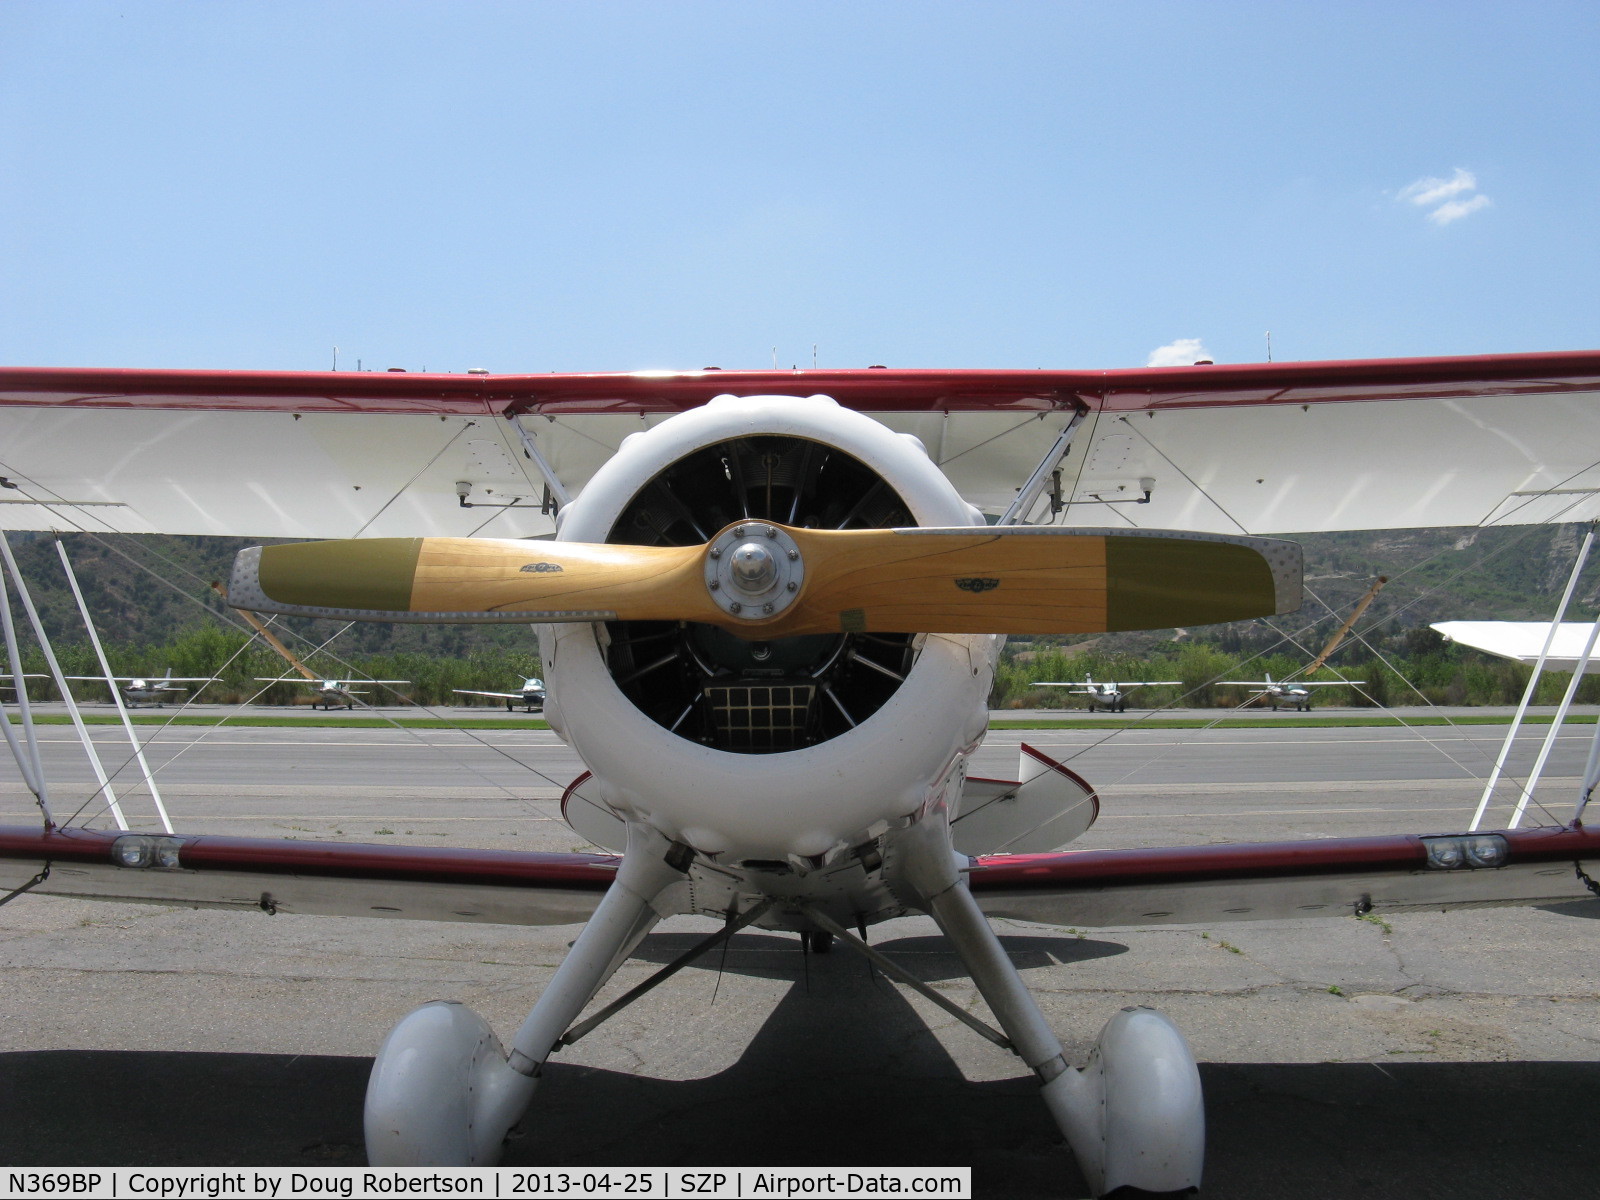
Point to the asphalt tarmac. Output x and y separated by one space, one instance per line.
1427 1055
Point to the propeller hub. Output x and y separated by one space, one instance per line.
753 570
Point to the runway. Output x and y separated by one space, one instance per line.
1429 1055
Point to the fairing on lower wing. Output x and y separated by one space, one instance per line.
322 878
1262 881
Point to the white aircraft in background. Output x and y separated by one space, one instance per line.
330 691
1110 696
770 619
141 690
1296 694
531 696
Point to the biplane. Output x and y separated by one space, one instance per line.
769 606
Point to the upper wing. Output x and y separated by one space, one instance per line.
1524 640
323 878
1258 448
494 695
1324 878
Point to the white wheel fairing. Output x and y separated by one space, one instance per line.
800 803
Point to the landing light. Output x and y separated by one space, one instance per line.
1468 852
145 850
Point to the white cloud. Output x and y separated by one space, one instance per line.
1180 353
1451 195
1429 191
1456 209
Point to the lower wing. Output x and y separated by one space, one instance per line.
1331 877
1096 888
323 878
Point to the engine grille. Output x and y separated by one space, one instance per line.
761 718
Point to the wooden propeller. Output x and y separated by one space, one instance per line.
763 580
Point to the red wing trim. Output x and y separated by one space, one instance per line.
343 860
1331 856
870 390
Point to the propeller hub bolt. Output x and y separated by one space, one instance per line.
735 607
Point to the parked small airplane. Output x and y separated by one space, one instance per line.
1110 696
1297 695
330 691
140 690
531 696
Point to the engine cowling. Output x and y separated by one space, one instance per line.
791 749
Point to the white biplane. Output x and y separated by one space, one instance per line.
769 617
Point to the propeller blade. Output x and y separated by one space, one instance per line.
471 579
1032 580
762 580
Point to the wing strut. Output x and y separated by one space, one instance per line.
1029 493
60 679
28 763
116 692
1533 685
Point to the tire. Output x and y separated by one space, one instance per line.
817 941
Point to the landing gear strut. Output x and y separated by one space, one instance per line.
444 1092
1134 1116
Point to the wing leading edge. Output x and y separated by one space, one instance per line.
1258 448
1264 881
1086 888
320 878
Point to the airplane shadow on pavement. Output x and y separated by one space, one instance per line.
843 1074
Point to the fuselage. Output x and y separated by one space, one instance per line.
144 691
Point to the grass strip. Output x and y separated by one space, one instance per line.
1270 722
317 722
1297 722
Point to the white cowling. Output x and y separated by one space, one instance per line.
798 804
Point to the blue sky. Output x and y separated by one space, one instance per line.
534 187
